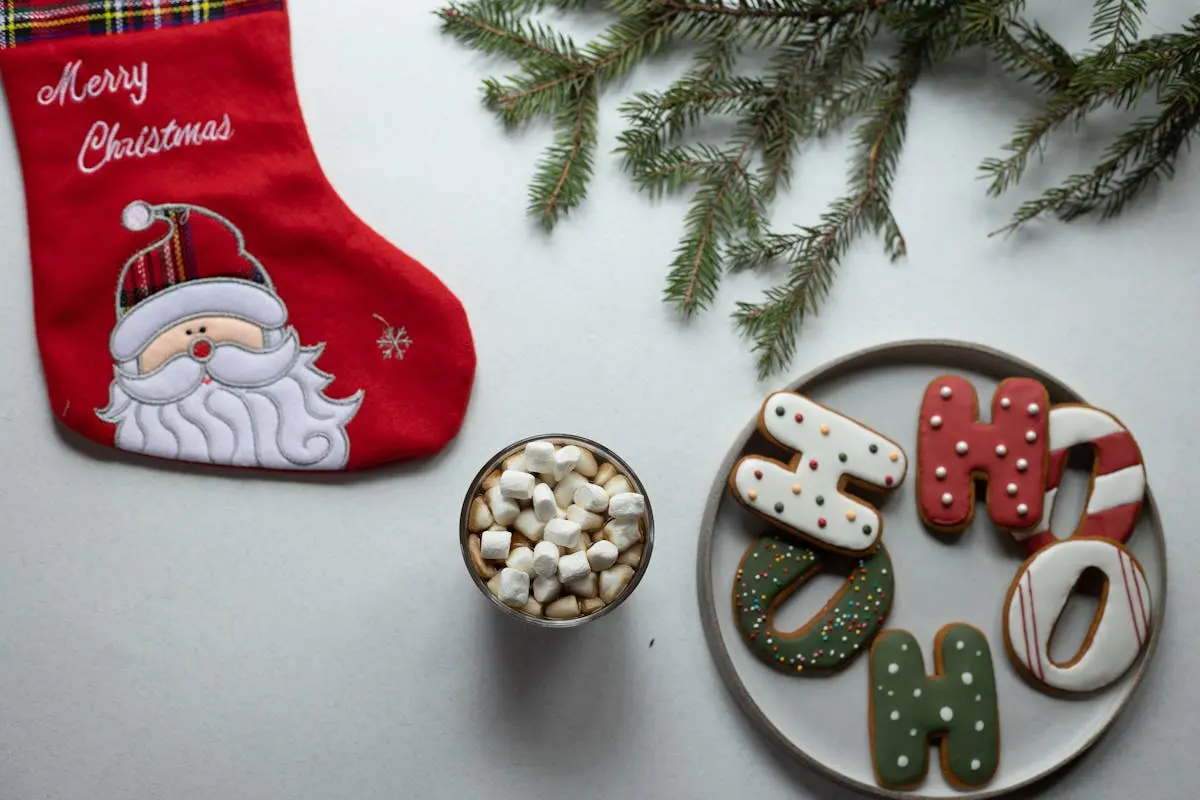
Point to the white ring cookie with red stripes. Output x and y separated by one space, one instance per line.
1038 595
1118 484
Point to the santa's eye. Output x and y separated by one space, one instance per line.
188 332
204 330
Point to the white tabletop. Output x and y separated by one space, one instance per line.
165 634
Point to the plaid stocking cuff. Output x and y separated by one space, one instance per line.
26 22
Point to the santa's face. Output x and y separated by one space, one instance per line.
189 334
222 391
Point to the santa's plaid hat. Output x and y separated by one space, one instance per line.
199 268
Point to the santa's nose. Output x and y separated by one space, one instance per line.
201 349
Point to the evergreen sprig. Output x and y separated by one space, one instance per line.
817 79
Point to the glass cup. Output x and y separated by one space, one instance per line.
602 454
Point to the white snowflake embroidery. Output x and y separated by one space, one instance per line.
394 342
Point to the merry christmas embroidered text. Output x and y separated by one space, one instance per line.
105 142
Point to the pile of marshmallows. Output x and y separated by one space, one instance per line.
556 534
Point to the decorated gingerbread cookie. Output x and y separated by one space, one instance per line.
957 706
807 497
1038 596
772 570
1118 483
955 449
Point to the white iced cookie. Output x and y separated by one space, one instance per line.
807 495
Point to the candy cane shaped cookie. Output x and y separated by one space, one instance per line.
772 570
807 497
1118 483
1038 595
954 449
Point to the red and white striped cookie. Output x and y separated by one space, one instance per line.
1118 484
1038 595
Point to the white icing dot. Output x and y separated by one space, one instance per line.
978 697
904 647
959 645
935 421
902 761
893 668
946 392
947 499
975 763
1001 450
880 688
979 652
941 473
1022 465
979 725
968 678
912 732
1012 488
916 692
1031 437
1005 402
961 448
1033 409
1022 509
946 713
895 715
890 693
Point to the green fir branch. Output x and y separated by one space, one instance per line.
817 79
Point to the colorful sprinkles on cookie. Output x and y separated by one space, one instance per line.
806 497
772 570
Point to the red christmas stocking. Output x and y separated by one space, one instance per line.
201 292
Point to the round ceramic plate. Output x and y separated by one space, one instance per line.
822 721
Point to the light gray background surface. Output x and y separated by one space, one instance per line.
165 634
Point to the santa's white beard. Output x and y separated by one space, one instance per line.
258 409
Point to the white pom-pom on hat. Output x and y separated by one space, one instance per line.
137 216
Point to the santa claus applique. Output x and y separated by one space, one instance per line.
207 367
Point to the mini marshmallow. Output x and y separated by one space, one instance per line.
504 511
587 465
564 492
545 559
584 587
516 485
544 504
516 462
546 589
521 558
495 545
618 485
485 570
493 584
632 556
604 474
563 608
539 457
624 533
562 532
623 506
591 605
602 555
565 461
529 526
573 567
613 581
586 520
591 497
514 587
533 608
480 518
582 545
